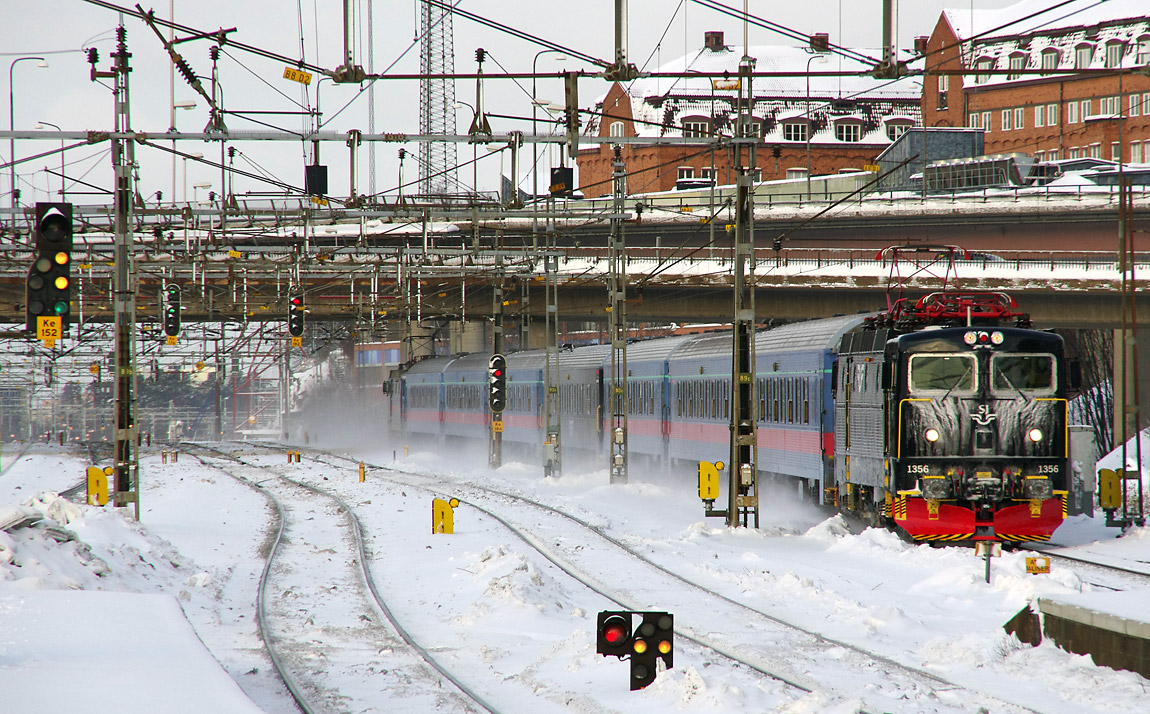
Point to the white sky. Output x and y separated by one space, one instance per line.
62 93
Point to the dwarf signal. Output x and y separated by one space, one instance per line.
652 640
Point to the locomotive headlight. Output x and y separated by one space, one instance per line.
970 338
932 435
1034 435
997 338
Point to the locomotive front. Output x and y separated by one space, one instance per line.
978 419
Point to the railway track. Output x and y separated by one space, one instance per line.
887 684
297 612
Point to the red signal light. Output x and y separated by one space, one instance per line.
615 633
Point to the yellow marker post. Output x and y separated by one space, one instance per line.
362 472
442 515
1109 488
97 486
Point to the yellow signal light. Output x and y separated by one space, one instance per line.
61 282
61 258
640 646
664 647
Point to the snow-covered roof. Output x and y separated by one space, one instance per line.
659 105
1028 17
1012 31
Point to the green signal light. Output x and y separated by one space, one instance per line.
60 307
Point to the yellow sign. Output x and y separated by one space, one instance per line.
235 254
48 328
1109 488
442 515
317 200
94 368
725 84
297 342
709 480
97 486
1037 565
173 340
199 365
497 426
873 168
297 75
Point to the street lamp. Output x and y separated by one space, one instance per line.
535 146
196 155
474 158
186 104
12 120
810 124
41 125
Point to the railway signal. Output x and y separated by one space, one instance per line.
172 310
49 286
497 383
652 640
295 315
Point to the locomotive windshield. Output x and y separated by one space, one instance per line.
954 373
1021 372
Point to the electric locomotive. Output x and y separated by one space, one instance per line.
952 426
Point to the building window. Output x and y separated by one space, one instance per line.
974 121
686 172
1116 151
1082 56
1072 113
983 64
848 131
895 130
1136 152
752 128
1135 105
1114 52
795 131
1039 117
1020 118
1049 59
1085 110
1095 151
1006 114
616 128
1051 115
986 121
1017 62
693 128
1146 104
1142 51
705 172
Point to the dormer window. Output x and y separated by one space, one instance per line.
1049 59
616 128
897 127
1017 62
796 130
983 64
1142 51
848 130
1083 55
1114 53
696 126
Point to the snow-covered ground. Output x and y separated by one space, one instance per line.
96 623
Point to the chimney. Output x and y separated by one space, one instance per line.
713 41
821 42
920 45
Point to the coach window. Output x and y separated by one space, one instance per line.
1012 374
806 403
943 373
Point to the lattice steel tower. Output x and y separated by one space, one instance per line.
436 99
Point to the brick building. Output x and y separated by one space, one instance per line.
830 123
1055 111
